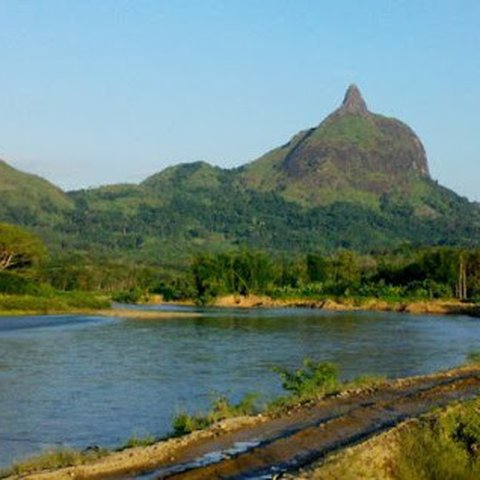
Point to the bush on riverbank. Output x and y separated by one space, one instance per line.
313 379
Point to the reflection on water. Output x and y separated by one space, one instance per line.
69 380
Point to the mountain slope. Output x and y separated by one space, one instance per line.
352 155
29 199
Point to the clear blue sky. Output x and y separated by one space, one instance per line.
95 92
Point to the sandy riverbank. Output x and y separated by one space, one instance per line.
105 312
145 314
439 307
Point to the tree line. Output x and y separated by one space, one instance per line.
426 273
406 272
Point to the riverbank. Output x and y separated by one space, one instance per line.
434 307
301 433
104 312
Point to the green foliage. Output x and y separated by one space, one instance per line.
137 441
177 288
473 357
19 248
317 268
241 272
184 423
53 302
13 283
443 446
314 379
134 295
30 200
222 408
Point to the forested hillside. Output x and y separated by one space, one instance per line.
358 180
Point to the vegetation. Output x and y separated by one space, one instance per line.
54 302
19 248
137 441
445 445
357 181
314 379
221 409
33 280
52 459
402 274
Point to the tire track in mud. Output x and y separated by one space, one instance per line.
311 432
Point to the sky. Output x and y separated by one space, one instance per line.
94 92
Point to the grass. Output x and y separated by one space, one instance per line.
55 302
443 445
473 357
137 441
53 459
221 409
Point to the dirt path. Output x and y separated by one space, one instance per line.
261 447
324 430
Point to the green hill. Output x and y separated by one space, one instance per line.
28 199
359 180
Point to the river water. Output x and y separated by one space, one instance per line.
81 380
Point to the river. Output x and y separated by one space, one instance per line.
78 381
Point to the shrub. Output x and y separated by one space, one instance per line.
314 379
134 295
184 423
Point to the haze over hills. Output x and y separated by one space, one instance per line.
357 180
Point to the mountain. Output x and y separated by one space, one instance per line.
28 199
352 155
358 180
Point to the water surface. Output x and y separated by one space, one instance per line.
79 381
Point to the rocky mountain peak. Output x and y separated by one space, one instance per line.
354 102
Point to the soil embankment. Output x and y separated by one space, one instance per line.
263 445
439 307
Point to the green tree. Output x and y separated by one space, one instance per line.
317 268
19 248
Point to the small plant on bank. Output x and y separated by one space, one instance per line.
222 408
314 379
473 357
184 423
137 441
